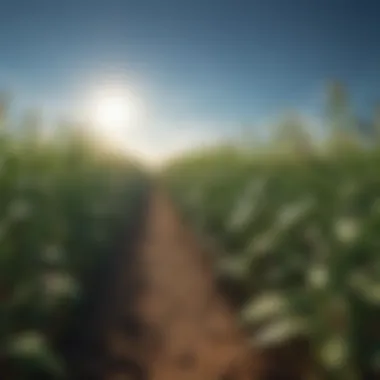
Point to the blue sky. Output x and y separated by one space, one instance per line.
202 67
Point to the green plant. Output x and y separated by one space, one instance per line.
60 201
301 239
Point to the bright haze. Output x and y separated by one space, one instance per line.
161 76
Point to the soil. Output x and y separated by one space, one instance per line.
176 326
155 312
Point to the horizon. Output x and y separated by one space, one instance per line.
200 71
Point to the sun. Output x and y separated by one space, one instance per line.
114 113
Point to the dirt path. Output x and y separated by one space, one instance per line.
185 329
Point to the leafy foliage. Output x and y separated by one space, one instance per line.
301 241
60 200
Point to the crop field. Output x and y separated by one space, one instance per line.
296 242
297 239
62 203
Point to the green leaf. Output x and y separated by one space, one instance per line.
263 244
293 213
280 331
244 208
30 348
53 254
235 268
366 287
264 307
60 286
375 361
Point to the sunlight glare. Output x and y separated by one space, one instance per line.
114 113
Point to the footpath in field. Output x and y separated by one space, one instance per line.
188 331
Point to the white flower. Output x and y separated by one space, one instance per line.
281 331
262 244
59 285
347 230
244 209
240 215
334 353
318 276
27 343
264 307
33 345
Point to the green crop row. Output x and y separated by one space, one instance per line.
61 201
299 239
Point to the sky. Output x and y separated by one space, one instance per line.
201 68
